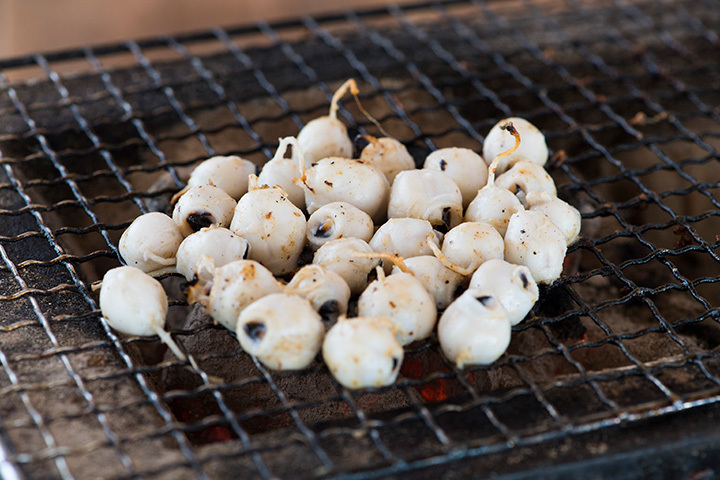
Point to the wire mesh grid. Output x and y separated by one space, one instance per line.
627 95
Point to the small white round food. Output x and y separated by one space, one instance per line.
327 136
324 137
336 179
338 220
525 177
134 303
474 329
512 285
427 194
441 282
338 256
467 169
328 293
273 226
151 242
228 173
387 155
470 244
281 171
493 205
406 237
203 206
362 352
562 214
225 291
533 240
403 299
219 243
533 147
283 331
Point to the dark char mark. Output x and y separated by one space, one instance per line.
485 299
330 310
200 220
323 230
255 330
445 227
395 362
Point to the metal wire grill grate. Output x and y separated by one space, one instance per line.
627 96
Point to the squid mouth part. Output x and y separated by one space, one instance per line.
255 330
324 230
395 363
330 310
445 219
200 220
485 300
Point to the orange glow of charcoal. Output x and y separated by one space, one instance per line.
217 434
435 391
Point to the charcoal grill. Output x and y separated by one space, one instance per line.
615 373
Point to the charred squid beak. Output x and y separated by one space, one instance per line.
200 220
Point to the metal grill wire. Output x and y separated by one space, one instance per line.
616 103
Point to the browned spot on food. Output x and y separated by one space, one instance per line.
392 304
329 184
268 215
248 271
